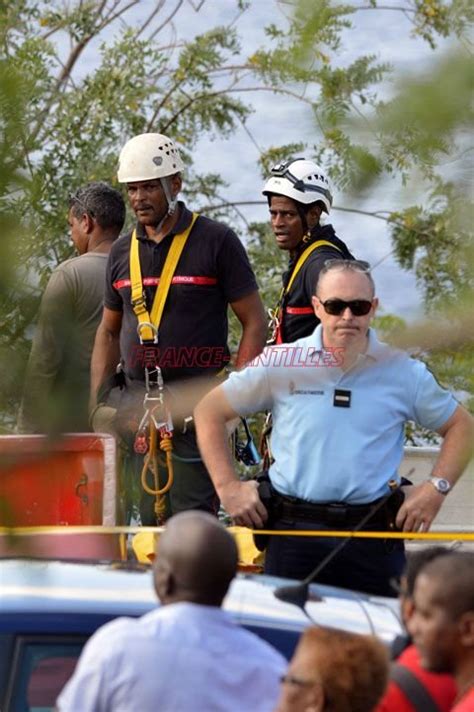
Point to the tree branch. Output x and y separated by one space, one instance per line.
159 6
396 8
378 214
168 19
193 99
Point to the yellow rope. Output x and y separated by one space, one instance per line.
151 463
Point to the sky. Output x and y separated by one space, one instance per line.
279 120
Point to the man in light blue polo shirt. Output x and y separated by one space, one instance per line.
340 400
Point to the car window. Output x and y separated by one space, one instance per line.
41 666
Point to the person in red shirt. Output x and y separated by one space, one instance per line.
442 623
441 688
411 687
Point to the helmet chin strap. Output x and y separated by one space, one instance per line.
302 214
172 202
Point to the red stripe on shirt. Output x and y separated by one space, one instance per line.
180 279
299 310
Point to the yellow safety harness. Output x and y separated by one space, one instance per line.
149 323
156 416
276 314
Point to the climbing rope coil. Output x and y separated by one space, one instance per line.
151 463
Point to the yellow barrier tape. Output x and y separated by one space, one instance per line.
427 536
430 536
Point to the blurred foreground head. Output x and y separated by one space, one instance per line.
196 560
334 671
442 623
416 560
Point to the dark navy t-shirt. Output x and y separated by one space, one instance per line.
213 271
299 319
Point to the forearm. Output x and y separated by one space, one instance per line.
251 314
105 357
456 448
251 343
240 499
423 502
213 444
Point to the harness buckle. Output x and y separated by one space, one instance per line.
147 325
139 304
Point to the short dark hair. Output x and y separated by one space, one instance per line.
101 202
416 560
455 576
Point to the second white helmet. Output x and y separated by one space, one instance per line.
301 180
148 156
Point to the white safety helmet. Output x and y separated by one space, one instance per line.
148 156
301 180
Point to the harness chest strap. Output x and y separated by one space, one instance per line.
146 320
296 269
302 259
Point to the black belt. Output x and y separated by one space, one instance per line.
334 514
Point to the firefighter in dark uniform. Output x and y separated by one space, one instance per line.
298 192
167 336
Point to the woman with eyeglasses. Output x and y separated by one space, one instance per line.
334 671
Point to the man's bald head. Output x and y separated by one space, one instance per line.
196 560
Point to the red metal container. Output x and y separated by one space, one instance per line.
65 481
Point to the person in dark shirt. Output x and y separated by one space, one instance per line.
298 192
189 340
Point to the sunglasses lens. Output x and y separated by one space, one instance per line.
334 306
359 307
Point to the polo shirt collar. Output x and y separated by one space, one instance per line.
375 348
184 219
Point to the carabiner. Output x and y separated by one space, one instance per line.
147 325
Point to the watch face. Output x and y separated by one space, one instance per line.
441 484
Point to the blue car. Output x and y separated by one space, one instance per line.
48 609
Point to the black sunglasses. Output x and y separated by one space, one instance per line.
335 307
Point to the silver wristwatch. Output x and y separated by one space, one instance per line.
440 484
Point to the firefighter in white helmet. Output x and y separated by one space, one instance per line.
298 192
168 285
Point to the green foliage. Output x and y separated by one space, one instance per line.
64 118
275 155
434 240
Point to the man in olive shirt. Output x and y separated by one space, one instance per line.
57 380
